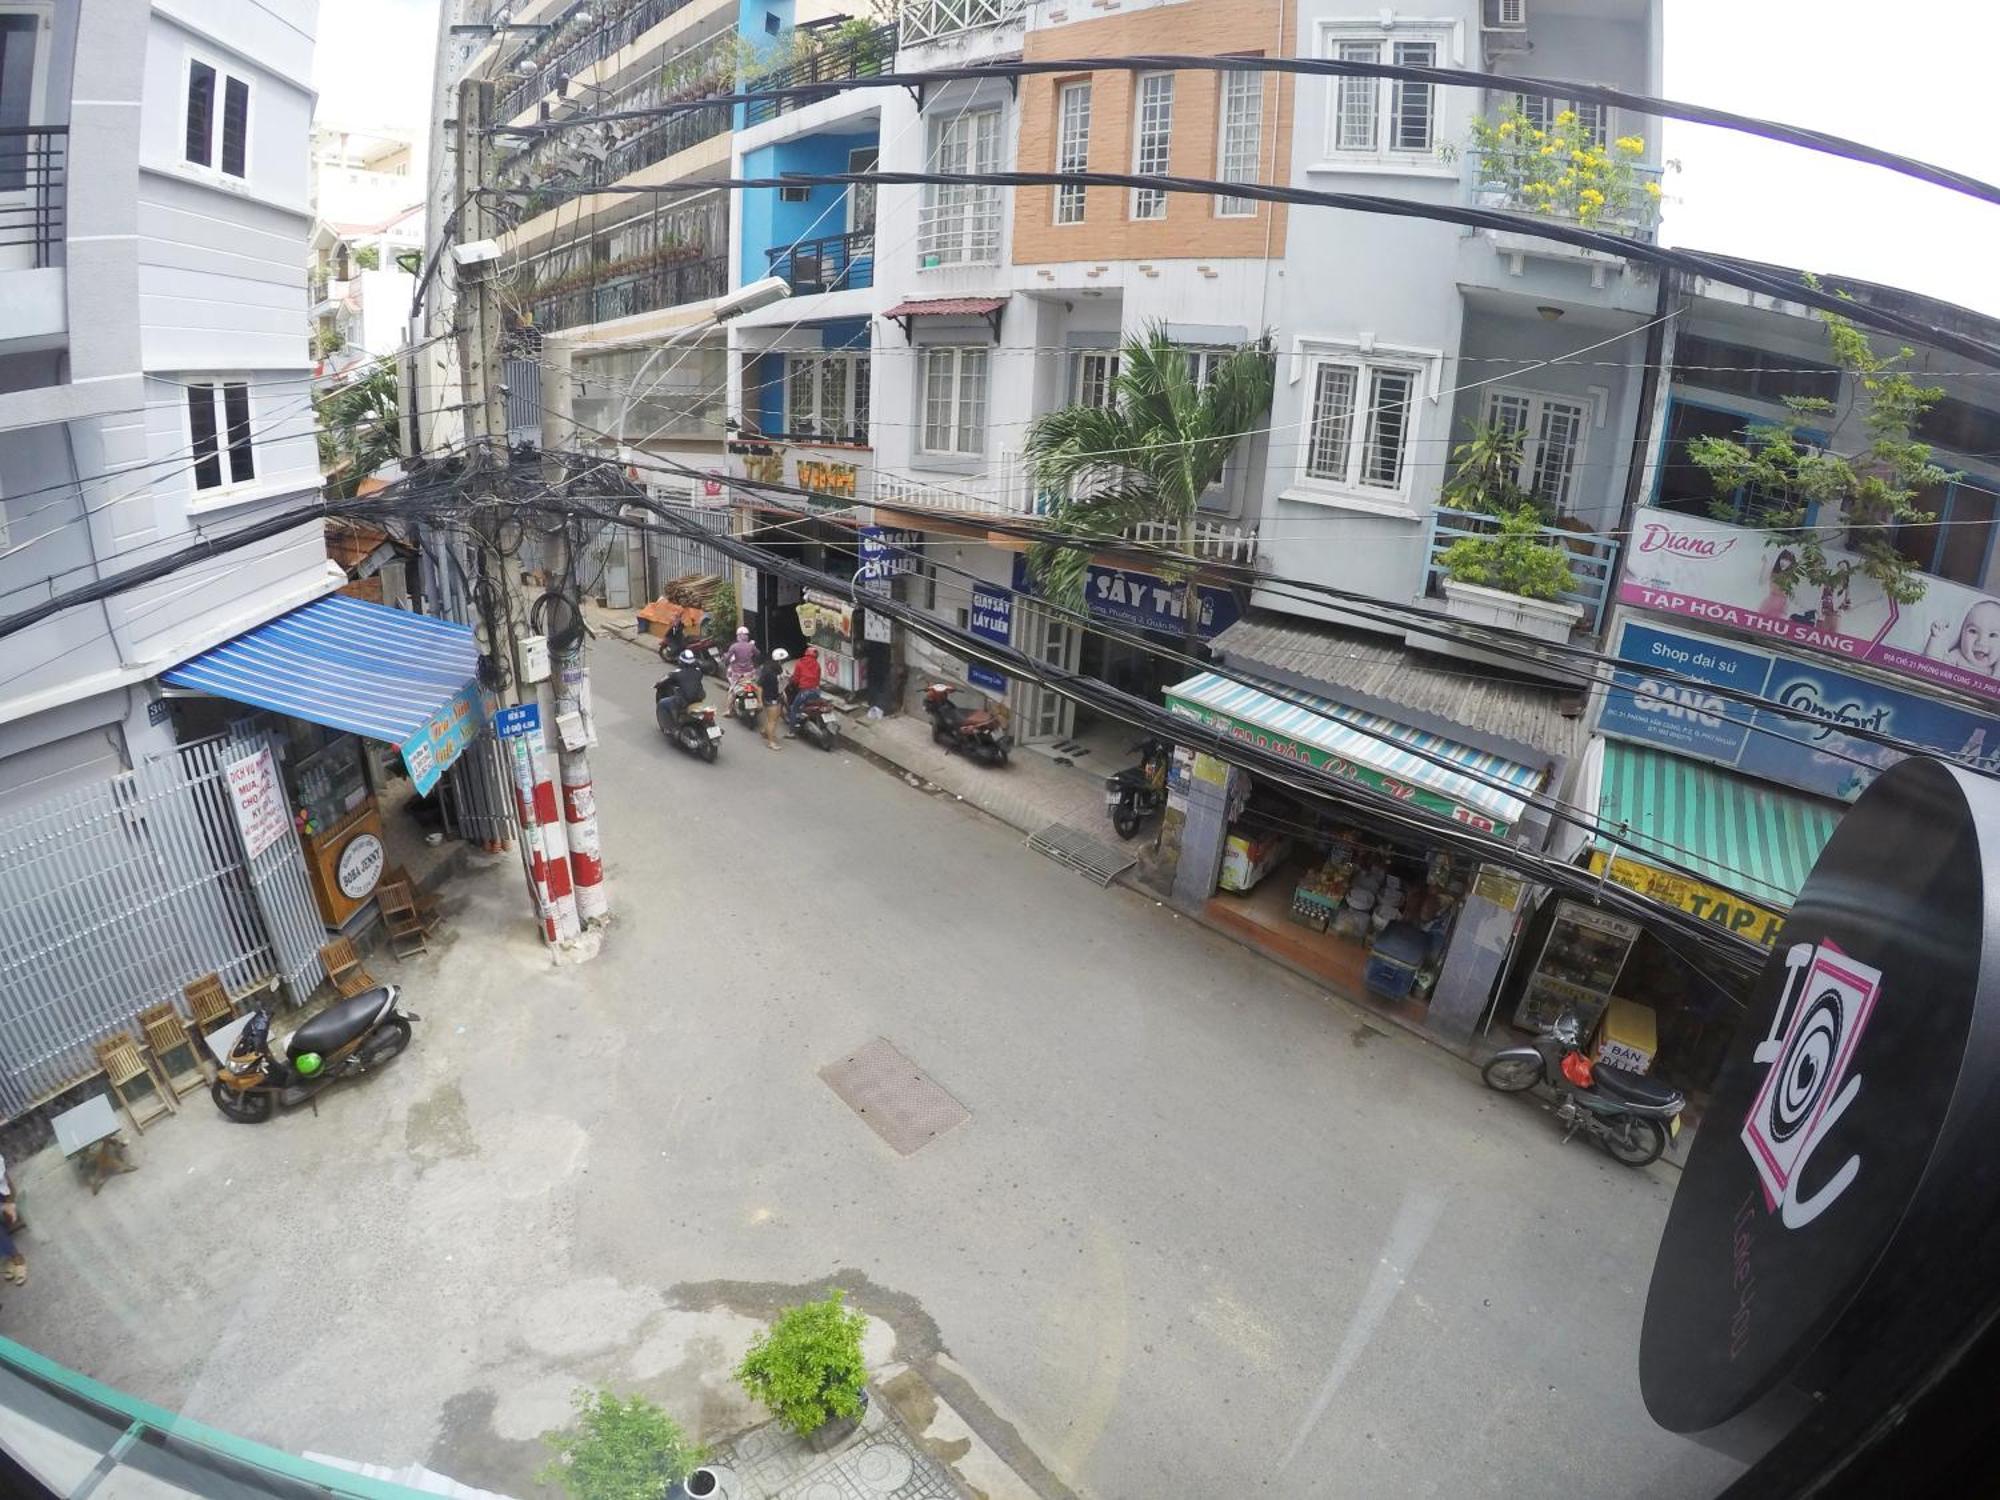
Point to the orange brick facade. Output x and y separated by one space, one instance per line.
1191 229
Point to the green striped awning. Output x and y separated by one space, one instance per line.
1482 790
1744 835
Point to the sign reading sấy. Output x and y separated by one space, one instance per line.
1727 575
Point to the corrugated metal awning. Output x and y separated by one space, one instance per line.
1746 836
1472 786
946 307
343 662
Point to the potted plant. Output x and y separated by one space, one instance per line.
1510 573
619 1450
806 1367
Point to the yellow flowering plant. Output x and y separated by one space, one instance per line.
1563 172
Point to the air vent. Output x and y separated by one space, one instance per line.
1506 15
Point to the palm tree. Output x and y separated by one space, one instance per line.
358 429
1147 457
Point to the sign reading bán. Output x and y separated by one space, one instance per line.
1830 1235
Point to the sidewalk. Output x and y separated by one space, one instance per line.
1029 793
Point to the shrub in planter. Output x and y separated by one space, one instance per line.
1516 559
618 1450
807 1365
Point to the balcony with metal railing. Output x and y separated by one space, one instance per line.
841 55
568 50
583 300
1592 558
31 195
1622 197
830 263
928 20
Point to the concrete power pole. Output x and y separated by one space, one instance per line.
544 846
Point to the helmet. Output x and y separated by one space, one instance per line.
742 632
307 1063
687 658
781 654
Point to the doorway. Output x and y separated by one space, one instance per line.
1047 714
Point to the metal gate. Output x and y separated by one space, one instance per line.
669 555
277 876
113 896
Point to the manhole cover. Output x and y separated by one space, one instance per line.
898 1099
882 1470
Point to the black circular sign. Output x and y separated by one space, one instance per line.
1805 1199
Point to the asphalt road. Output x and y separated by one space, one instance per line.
1205 1232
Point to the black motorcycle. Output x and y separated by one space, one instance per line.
1134 794
693 729
348 1038
816 726
975 731
1628 1114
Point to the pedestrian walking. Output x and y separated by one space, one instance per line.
768 686
13 1264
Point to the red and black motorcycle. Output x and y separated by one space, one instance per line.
976 732
1628 1114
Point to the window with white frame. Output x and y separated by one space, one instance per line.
959 223
1359 423
1378 117
217 120
1072 148
1594 120
826 396
219 433
1241 108
1551 430
1153 139
954 400
1096 382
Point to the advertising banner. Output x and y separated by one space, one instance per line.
991 617
1135 597
1808 749
1726 575
429 752
259 800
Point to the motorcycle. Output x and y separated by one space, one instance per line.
745 701
1628 1114
695 730
1134 794
346 1039
707 653
973 731
818 727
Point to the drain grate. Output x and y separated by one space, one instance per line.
1082 853
900 1101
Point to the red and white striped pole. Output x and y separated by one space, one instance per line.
562 923
586 859
531 844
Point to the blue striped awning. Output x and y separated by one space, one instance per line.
374 671
1472 786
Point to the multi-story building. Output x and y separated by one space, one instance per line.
153 222
368 228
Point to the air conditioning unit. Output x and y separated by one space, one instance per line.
802 193
1506 15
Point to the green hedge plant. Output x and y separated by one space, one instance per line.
618 1450
806 1367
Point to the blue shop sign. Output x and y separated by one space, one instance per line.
1809 751
1133 596
888 551
991 618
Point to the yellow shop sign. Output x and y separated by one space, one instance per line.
1709 902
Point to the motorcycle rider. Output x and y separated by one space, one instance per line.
767 685
681 689
804 686
741 658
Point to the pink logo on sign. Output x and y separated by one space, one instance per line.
1658 538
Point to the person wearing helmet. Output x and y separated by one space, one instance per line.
804 687
741 658
767 686
681 689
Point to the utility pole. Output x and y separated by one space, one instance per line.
544 846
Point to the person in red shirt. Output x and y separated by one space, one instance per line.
804 686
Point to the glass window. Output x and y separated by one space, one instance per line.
205 121
1684 485
1332 416
954 401
1096 378
1242 110
17 96
1410 103
202 437
1551 429
1956 543
200 147
236 412
1072 149
235 125
1155 138
1355 99
1388 427
959 223
1369 118
826 396
1360 424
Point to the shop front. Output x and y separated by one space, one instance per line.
1373 909
356 697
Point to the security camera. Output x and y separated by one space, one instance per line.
475 255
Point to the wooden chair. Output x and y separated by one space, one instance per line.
176 1054
343 968
408 932
428 907
209 1004
131 1080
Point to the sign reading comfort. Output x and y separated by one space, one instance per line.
1710 570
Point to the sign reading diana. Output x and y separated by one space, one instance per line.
1710 570
1809 749
1831 1237
1136 597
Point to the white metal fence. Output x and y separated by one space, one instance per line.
115 895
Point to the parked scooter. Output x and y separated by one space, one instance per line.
695 730
707 653
1134 794
746 702
818 727
1628 1114
343 1040
973 731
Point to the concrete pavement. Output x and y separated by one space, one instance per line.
1207 1230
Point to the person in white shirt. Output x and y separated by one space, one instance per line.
13 1264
